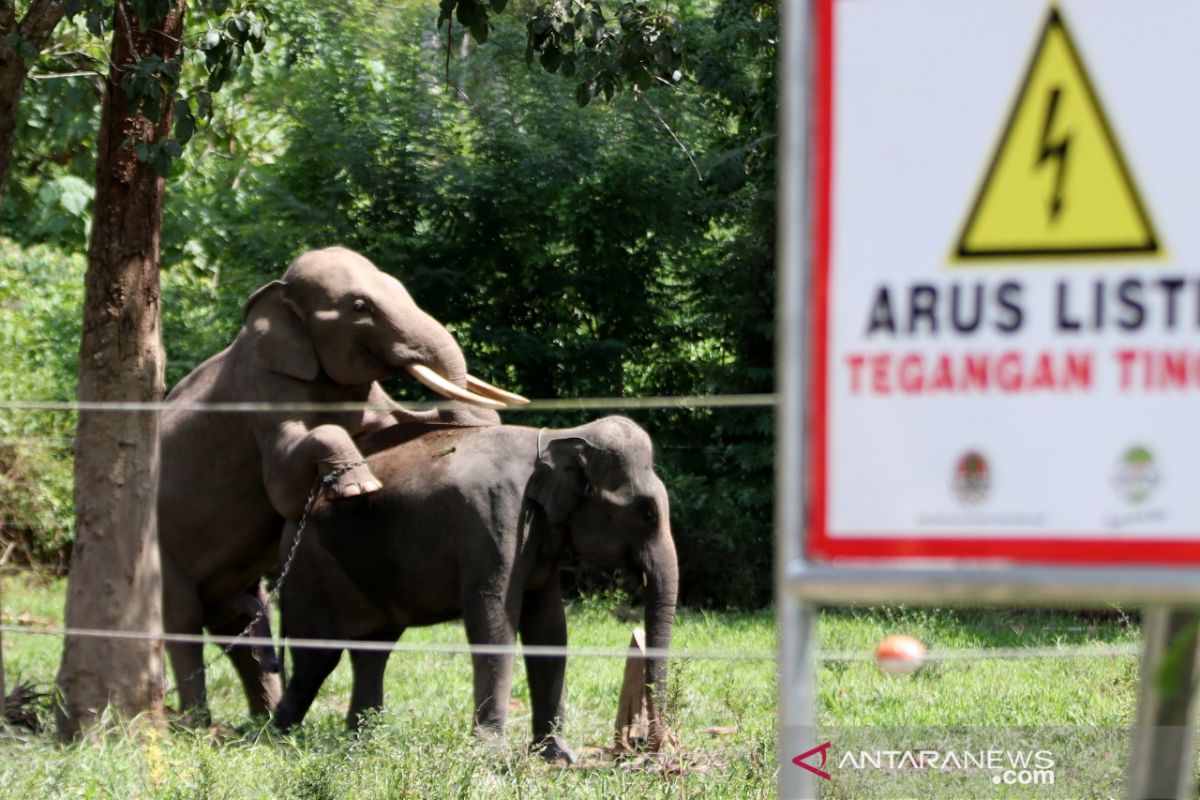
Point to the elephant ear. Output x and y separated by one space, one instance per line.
559 479
281 342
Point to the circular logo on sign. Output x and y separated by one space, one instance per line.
972 477
1136 475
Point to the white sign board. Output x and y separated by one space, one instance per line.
1006 290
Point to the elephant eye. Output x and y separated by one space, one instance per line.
361 306
648 510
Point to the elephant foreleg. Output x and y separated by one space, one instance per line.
295 456
543 622
367 695
489 622
310 668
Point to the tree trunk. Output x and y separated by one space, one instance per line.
115 576
37 25
12 78
3 710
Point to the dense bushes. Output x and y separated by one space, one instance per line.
574 252
40 294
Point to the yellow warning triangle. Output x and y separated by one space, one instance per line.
1058 184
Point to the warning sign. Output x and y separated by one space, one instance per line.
1058 184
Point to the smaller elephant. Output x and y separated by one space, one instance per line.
473 524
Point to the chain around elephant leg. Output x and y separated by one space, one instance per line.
320 483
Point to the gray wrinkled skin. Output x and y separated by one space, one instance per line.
472 524
331 328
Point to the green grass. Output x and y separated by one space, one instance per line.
420 745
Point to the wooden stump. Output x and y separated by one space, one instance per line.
639 724
633 714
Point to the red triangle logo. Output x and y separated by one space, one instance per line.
823 749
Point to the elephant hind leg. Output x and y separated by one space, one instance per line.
257 665
182 613
261 681
368 666
310 668
263 689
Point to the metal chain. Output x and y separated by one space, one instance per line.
319 484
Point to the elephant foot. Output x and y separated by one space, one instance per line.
283 719
190 718
354 482
493 742
555 750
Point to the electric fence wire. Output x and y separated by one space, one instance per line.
761 400
1126 650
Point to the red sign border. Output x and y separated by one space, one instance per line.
1080 550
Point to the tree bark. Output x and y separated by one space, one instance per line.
115 578
12 78
3 710
36 26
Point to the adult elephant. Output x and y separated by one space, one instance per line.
326 332
473 524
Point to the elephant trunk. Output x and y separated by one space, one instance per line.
437 361
661 572
437 349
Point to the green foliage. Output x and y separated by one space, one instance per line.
573 253
62 207
420 745
224 45
146 82
471 14
616 250
47 199
97 14
196 324
231 35
24 48
59 110
1173 670
40 293
577 37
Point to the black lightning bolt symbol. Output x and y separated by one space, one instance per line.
1056 151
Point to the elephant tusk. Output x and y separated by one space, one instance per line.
445 388
496 393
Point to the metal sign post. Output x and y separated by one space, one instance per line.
1161 763
989 308
796 618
